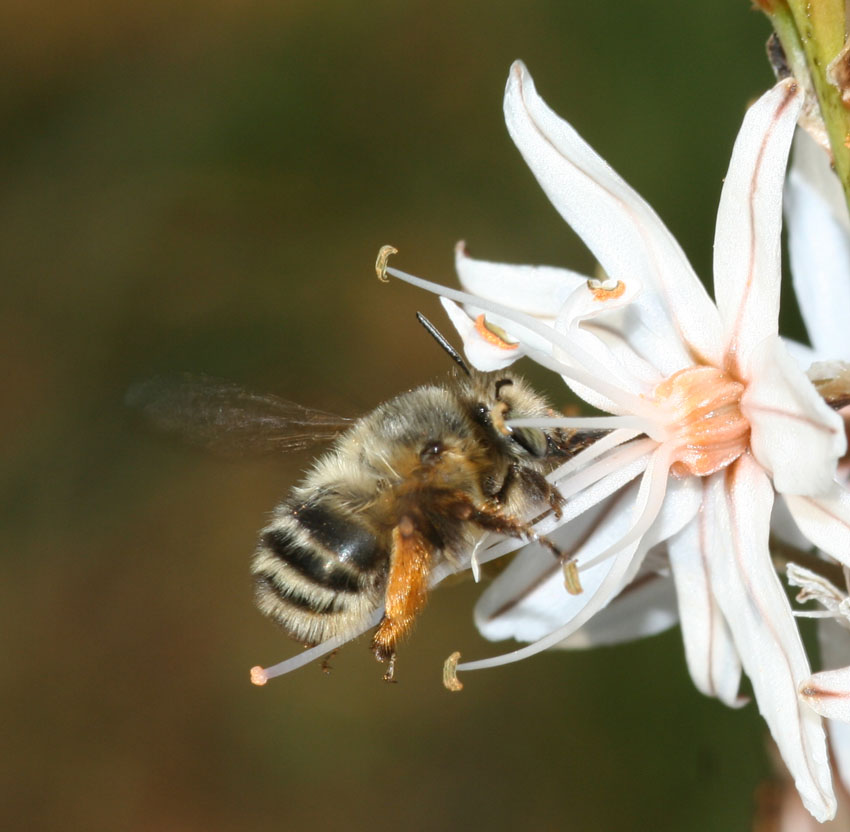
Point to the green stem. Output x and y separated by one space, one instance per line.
812 33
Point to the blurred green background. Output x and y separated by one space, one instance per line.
203 186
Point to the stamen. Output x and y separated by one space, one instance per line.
564 631
599 447
261 675
651 494
381 262
603 290
608 464
586 370
493 334
474 563
601 423
450 680
590 375
572 582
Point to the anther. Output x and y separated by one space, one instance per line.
607 289
450 680
381 262
493 334
258 676
572 582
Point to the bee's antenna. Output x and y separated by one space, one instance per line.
441 340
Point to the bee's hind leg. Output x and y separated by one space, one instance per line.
406 593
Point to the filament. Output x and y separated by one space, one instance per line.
261 675
618 458
588 422
621 397
653 488
553 638
628 465
599 447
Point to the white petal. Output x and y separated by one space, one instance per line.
645 607
621 365
825 520
749 220
819 247
527 339
536 290
747 589
622 231
711 655
482 354
528 600
795 435
828 693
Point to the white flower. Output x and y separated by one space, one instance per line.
819 247
712 418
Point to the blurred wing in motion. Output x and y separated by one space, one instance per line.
224 417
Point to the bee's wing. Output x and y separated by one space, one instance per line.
227 418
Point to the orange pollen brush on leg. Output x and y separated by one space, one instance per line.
407 590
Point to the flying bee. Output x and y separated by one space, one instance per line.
410 486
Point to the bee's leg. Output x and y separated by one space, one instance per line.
535 481
534 484
495 520
406 593
326 661
389 676
507 483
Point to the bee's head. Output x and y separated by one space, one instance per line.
503 396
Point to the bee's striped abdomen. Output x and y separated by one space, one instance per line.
349 541
318 572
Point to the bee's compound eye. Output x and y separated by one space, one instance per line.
431 450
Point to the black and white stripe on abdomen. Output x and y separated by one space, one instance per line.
313 564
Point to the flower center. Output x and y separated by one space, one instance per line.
706 429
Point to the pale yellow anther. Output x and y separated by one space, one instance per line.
450 680
381 262
572 582
606 289
493 334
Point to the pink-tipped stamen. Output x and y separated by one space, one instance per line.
261 675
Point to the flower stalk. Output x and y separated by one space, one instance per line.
813 35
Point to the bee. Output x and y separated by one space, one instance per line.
410 486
